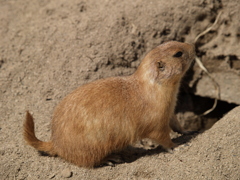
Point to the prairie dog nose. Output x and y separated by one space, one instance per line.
191 51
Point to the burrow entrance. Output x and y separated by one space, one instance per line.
190 108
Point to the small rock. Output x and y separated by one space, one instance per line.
66 173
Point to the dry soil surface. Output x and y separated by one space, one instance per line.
50 47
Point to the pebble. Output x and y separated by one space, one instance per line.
66 173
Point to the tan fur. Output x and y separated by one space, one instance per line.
31 139
108 114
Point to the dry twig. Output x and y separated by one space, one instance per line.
200 64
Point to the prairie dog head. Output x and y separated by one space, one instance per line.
167 63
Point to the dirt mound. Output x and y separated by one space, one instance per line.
48 48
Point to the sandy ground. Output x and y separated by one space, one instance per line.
48 48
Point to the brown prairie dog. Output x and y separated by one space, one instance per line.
108 114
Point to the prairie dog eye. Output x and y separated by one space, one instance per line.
161 66
178 54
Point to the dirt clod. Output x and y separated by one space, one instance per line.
66 173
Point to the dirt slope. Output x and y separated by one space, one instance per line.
48 48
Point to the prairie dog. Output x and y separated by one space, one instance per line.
108 114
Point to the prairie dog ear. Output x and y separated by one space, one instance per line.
161 65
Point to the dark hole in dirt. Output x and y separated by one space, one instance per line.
221 57
191 107
233 60
82 8
200 53
213 20
233 57
182 39
187 29
165 32
226 22
133 43
201 17
215 46
1 63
